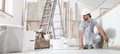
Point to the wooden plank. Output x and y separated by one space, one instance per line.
32 20
3 5
28 21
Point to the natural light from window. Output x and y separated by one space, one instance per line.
9 7
0 4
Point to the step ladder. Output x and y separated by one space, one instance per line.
48 14
58 29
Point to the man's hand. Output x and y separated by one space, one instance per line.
105 38
102 33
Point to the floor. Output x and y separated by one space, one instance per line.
69 51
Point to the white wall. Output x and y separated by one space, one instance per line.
107 4
110 23
17 11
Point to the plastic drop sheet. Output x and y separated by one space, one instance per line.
10 39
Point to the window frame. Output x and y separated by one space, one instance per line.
3 5
3 8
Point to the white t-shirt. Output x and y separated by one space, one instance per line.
89 37
85 25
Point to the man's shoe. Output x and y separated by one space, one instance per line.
85 47
91 47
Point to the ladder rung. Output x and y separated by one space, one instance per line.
57 21
50 1
56 14
58 35
47 8
46 16
43 24
58 28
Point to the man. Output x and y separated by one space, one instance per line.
87 37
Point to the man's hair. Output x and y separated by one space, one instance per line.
89 15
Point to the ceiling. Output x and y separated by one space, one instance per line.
91 4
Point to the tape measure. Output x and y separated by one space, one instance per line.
105 42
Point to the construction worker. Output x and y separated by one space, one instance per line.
88 39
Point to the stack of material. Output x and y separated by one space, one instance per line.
40 41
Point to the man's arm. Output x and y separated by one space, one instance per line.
102 33
81 38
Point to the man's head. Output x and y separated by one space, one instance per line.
86 14
86 17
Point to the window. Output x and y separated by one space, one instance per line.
0 4
9 6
